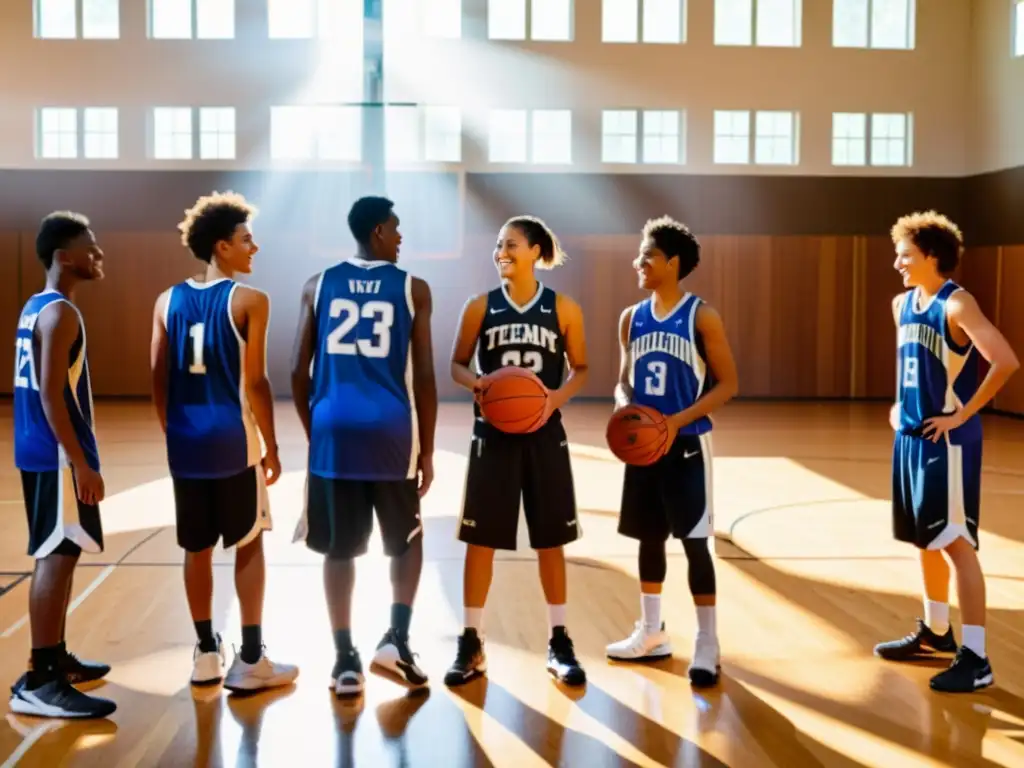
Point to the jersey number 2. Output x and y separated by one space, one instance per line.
531 360
383 315
25 376
655 383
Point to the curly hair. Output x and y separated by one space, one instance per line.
934 235
214 218
674 239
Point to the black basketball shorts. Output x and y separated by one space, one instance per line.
505 469
338 519
234 509
673 496
58 523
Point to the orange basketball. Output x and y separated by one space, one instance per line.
637 435
514 400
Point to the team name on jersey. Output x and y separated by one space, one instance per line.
925 335
660 341
521 333
28 322
364 286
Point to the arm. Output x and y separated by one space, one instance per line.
256 306
465 342
964 314
720 360
424 384
58 329
158 359
623 389
571 317
302 353
897 308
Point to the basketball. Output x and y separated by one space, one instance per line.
514 400
637 435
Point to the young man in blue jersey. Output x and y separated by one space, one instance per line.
941 331
55 450
676 359
214 402
363 386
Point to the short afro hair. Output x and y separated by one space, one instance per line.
674 239
538 233
366 214
214 218
934 235
56 231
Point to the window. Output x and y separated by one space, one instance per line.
101 133
770 23
552 136
775 138
324 19
441 18
414 134
443 134
506 142
618 135
217 133
873 23
649 21
883 141
548 19
172 133
322 132
662 137
506 19
186 19
732 137
1018 27
57 133
56 19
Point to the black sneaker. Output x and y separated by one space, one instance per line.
470 661
396 660
922 644
968 672
58 698
347 676
562 663
79 671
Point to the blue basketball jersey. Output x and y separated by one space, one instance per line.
935 375
36 448
363 410
211 431
669 372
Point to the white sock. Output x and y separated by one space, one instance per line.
474 618
650 610
936 616
556 615
706 620
974 638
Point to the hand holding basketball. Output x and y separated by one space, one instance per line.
514 400
638 435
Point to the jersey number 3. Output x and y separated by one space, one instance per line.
655 383
379 345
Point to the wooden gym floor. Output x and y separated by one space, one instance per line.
808 579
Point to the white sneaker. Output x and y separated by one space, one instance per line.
706 664
208 667
263 674
642 645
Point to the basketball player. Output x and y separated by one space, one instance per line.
364 340
214 401
55 449
519 323
676 359
937 451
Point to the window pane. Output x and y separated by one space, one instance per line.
733 21
663 21
441 18
552 136
732 137
291 18
291 133
775 138
778 23
58 133
339 133
506 19
101 19
443 133
402 134
551 19
507 136
101 133
850 23
618 135
215 19
55 19
172 133
661 137
171 19
619 20
890 23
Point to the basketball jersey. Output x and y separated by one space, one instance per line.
528 336
935 375
211 432
669 372
362 405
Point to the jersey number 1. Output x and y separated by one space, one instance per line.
197 332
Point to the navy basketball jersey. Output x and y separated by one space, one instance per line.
363 411
36 448
669 372
528 336
935 375
211 431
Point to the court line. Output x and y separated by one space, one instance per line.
8 587
29 741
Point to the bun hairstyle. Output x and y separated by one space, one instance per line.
538 233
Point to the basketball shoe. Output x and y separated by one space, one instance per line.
74 669
968 672
918 645
58 698
208 666
642 645
394 658
249 678
470 660
562 662
705 666
347 676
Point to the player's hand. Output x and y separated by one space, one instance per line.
894 417
937 426
426 471
89 484
479 387
271 467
